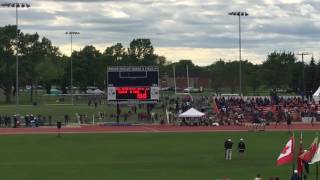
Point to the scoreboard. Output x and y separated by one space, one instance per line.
133 84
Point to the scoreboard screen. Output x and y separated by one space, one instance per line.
133 84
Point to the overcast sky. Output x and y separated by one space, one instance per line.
200 30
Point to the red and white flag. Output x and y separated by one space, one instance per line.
307 156
316 157
286 155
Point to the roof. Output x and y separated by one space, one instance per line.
192 113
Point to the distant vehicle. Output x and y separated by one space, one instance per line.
191 90
230 95
165 89
29 87
92 87
55 92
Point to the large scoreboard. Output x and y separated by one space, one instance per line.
133 84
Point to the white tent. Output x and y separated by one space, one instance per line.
316 95
98 92
95 92
192 113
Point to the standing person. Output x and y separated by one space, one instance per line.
225 148
95 104
0 121
241 146
313 117
50 120
15 120
228 147
66 119
289 120
295 175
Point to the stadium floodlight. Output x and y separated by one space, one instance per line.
239 14
17 6
303 72
71 33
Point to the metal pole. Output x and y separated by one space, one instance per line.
71 73
174 79
240 68
17 63
303 73
188 77
303 77
317 164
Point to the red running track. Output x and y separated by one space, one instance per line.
155 128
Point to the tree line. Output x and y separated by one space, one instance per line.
41 63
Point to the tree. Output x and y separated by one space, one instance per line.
7 59
318 74
49 72
225 75
250 76
311 76
114 54
34 52
88 69
141 52
277 70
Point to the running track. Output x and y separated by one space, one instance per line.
154 129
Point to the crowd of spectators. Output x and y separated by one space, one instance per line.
29 120
264 109
238 110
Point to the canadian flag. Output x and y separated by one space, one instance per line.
286 155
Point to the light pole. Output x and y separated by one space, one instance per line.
16 6
239 14
303 73
71 33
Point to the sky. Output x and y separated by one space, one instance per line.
200 30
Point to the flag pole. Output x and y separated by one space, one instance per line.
317 163
294 154
317 171
300 163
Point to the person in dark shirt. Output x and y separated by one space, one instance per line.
66 119
241 146
228 148
225 148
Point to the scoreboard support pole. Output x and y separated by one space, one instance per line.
118 112
148 111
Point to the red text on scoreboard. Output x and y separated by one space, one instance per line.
139 93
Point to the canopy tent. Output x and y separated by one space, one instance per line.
98 92
316 95
95 92
191 113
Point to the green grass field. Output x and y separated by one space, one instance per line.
142 156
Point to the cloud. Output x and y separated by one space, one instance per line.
198 29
